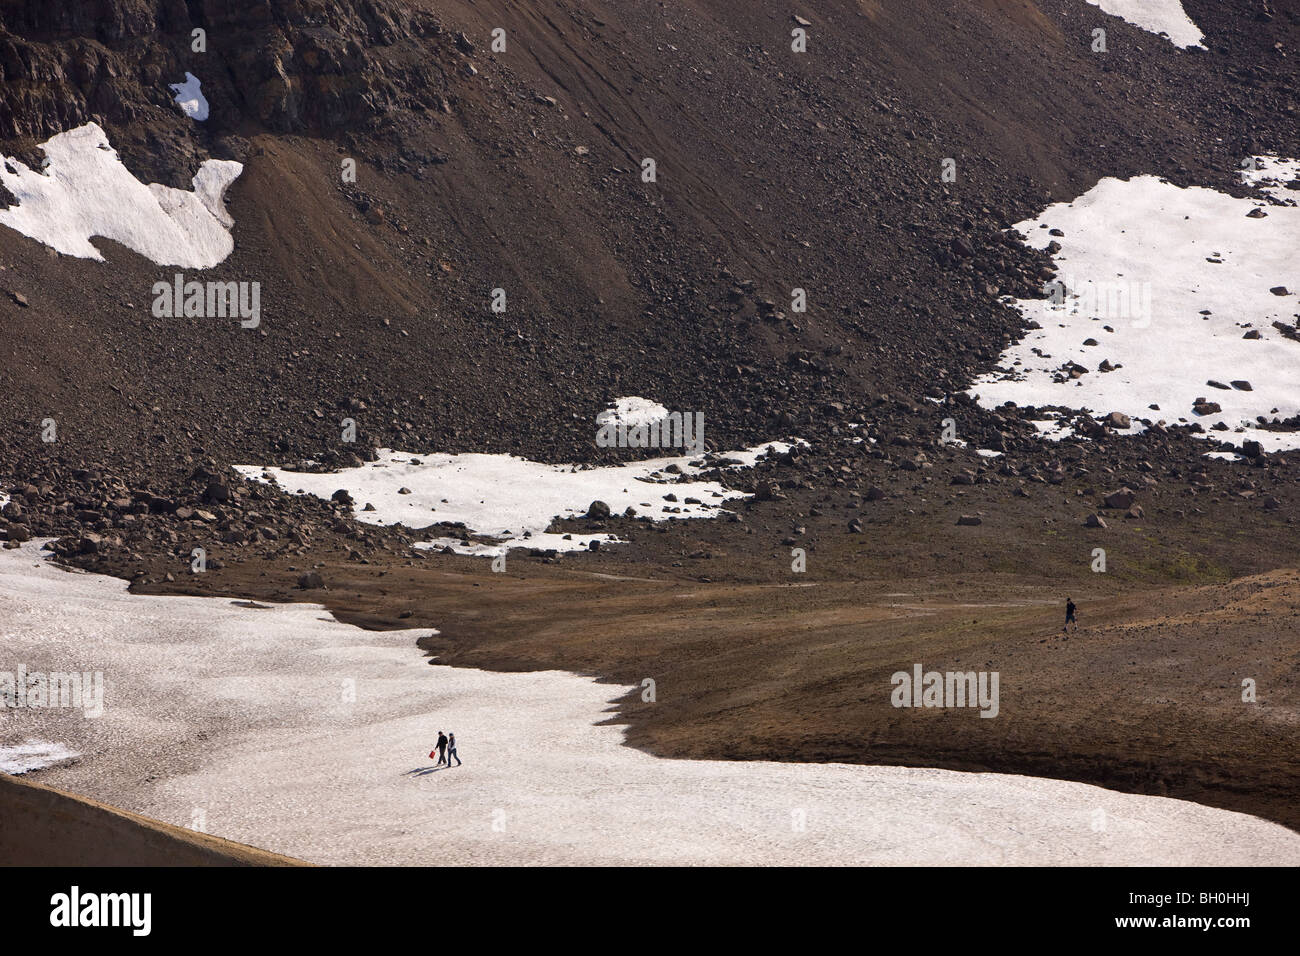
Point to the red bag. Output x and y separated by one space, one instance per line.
433 753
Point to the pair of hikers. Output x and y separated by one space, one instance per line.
446 750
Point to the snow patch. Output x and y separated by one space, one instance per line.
632 411
1164 17
84 191
190 97
1206 269
513 499
20 758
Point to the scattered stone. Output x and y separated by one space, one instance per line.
970 520
1095 521
598 510
311 581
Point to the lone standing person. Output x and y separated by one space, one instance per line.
1069 615
451 750
442 750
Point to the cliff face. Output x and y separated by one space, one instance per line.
279 65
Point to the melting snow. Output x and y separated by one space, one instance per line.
85 191
1165 17
242 713
1150 258
514 499
191 98
633 411
20 758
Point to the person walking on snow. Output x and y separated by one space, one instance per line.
451 750
442 749
1069 615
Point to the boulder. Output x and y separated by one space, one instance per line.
1123 498
216 493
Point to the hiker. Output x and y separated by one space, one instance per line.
451 750
442 749
1069 615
